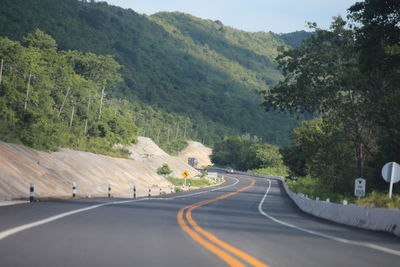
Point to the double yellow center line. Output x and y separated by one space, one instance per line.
226 252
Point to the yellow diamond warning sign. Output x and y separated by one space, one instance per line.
185 174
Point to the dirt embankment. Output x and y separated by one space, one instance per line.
199 151
53 173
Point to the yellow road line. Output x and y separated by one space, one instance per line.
215 241
214 249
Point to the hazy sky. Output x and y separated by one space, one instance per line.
279 16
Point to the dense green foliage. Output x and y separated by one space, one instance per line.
280 170
207 73
295 39
164 170
349 76
51 98
245 153
322 151
313 188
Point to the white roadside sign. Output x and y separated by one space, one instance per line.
213 174
391 174
359 187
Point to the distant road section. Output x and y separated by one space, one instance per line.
244 222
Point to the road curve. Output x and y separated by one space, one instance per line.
245 222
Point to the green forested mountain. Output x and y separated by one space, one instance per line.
295 39
172 63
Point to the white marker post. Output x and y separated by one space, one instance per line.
134 191
73 189
31 192
149 193
109 190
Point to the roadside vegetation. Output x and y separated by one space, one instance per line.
313 189
199 182
380 200
51 98
348 77
248 153
164 170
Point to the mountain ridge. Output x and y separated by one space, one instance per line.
175 62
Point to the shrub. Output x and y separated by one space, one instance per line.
164 170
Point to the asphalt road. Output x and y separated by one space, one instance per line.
236 224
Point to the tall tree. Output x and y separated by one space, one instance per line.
378 38
323 77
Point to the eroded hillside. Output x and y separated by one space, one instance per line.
54 172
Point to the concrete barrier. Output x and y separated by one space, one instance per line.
376 219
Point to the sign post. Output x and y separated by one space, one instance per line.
391 174
185 175
359 187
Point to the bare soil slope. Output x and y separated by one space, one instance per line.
199 151
53 173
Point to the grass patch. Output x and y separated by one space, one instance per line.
380 200
313 188
201 182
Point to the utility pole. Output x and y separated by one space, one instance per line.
27 91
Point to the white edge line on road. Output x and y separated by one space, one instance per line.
23 227
338 239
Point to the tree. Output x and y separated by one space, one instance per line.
320 148
45 103
323 77
268 155
379 35
378 39
238 152
40 40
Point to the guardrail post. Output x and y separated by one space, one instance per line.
31 192
73 189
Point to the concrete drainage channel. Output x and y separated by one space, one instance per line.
386 220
